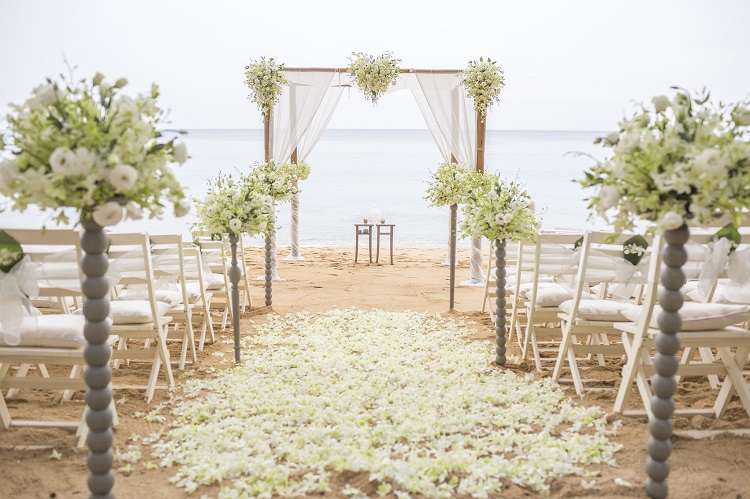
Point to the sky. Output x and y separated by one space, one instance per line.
569 65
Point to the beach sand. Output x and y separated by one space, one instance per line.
715 467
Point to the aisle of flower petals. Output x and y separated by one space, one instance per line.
405 397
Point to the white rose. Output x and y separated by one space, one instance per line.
508 218
628 142
45 94
711 162
608 197
235 224
113 159
612 138
126 106
180 152
133 211
741 116
123 177
661 103
65 162
231 191
230 182
181 208
671 220
86 160
8 174
33 103
108 214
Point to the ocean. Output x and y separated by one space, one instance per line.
356 171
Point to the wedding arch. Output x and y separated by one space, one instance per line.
296 122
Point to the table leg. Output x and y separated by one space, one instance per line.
370 243
377 251
356 245
392 244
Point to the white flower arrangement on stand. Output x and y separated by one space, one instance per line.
448 186
296 171
501 211
373 75
276 182
678 160
265 79
234 206
483 81
84 145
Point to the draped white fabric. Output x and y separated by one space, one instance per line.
449 115
299 119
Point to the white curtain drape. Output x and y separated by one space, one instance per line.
449 115
299 119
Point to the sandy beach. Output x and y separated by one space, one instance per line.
714 467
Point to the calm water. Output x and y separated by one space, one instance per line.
354 171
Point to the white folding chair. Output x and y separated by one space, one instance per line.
702 327
47 339
139 319
197 294
587 322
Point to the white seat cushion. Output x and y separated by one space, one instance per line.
552 295
165 295
193 291
53 331
598 310
699 316
526 277
215 282
732 294
52 301
135 311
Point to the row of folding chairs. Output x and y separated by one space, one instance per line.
161 287
573 298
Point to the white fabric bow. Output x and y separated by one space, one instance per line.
15 308
717 257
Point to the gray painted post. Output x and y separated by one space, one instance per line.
234 277
97 374
663 382
500 301
453 255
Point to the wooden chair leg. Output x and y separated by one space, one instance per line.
5 419
734 381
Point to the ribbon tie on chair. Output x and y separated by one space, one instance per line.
15 308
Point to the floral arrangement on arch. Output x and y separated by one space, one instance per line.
500 210
677 159
373 75
296 171
483 81
234 205
273 181
85 145
450 183
265 79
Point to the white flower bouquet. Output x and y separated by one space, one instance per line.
85 145
273 181
296 171
234 205
674 160
483 81
265 79
373 75
500 210
451 183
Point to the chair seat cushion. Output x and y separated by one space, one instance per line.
52 331
168 296
732 294
213 281
193 292
699 316
526 277
552 295
598 310
52 302
135 311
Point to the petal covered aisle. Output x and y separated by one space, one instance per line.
404 397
